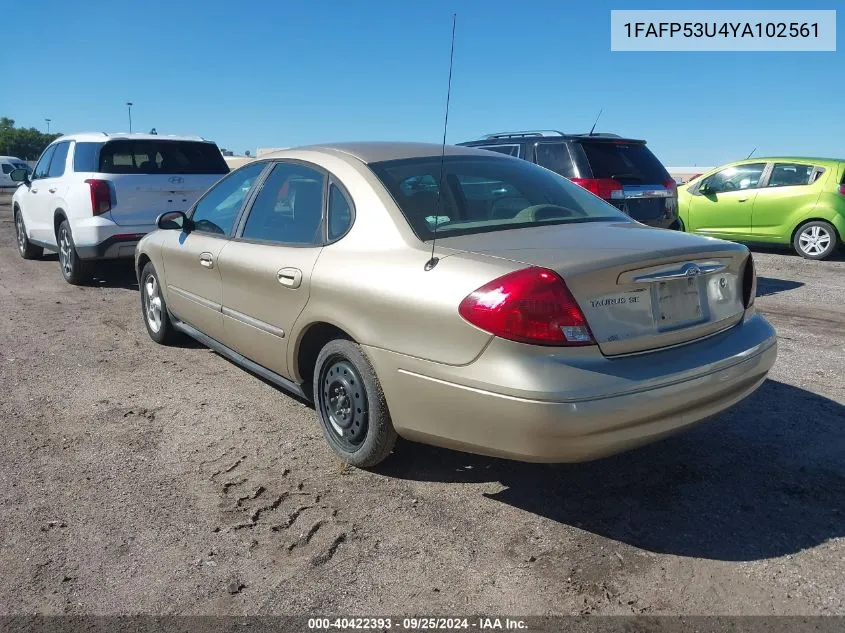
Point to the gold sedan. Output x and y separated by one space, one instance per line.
466 299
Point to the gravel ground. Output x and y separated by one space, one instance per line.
143 479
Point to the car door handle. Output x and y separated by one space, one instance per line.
34 190
742 199
52 190
207 260
290 277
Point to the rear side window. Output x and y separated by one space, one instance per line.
288 208
555 156
86 157
340 213
789 175
510 150
161 157
629 163
7 168
57 165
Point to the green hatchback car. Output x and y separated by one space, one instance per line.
791 201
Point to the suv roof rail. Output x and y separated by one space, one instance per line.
523 134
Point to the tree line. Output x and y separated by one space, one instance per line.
25 143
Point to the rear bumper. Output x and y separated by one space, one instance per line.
104 239
571 407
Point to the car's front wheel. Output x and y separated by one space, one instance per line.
351 405
74 270
27 249
815 240
154 307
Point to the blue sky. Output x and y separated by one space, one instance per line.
283 73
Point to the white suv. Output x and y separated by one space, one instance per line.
93 196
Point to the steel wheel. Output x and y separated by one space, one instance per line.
65 252
21 233
814 240
152 303
343 402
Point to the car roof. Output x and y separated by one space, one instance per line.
102 137
378 151
15 158
814 160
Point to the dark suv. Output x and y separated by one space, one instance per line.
622 171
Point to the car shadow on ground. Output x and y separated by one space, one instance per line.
764 479
117 274
767 286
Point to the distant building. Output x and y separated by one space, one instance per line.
683 174
236 161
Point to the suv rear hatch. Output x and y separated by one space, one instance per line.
149 177
629 176
638 288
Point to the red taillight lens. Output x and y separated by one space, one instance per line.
532 305
842 189
749 282
671 185
100 196
602 187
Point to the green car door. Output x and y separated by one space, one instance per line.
788 195
721 204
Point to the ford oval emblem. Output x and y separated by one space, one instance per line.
176 180
692 270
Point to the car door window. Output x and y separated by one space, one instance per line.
42 167
789 175
735 178
340 213
556 157
7 168
57 163
289 207
217 210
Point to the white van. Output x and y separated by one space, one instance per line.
7 165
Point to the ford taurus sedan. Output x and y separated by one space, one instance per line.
468 300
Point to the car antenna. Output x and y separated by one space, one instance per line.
432 262
594 124
749 155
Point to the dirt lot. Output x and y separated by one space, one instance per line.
138 478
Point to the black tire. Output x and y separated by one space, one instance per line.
150 288
816 240
351 405
27 249
74 270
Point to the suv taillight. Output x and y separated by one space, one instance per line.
532 305
842 189
100 196
671 185
602 187
749 282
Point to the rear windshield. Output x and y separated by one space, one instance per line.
149 157
629 163
486 194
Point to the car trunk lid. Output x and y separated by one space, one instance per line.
639 288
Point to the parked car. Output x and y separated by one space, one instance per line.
93 196
7 165
622 171
790 201
562 332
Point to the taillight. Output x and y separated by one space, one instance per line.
602 187
532 305
671 185
842 189
100 196
749 282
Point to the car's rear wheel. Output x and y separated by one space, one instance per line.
351 405
74 270
815 240
27 249
154 307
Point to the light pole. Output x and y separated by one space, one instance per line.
48 125
129 108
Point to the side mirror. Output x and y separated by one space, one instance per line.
173 221
19 175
